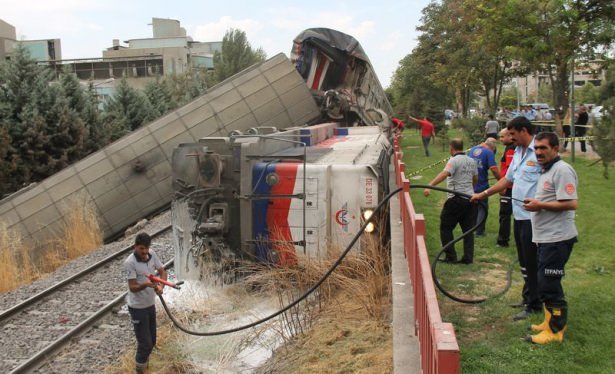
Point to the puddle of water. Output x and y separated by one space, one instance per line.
212 308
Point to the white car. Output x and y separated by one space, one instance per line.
598 111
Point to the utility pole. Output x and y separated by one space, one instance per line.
572 132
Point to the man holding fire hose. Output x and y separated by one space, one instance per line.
138 267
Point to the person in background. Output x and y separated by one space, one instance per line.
484 156
505 201
579 126
461 174
491 128
427 132
397 124
522 175
142 296
554 231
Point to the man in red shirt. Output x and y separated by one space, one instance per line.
505 202
427 131
397 124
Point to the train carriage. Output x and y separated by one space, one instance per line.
270 196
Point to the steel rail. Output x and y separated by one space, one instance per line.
19 307
37 360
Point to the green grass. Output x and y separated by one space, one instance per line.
489 340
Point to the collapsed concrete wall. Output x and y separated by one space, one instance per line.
131 178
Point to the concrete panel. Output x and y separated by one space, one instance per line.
248 75
143 145
113 197
242 124
184 137
58 177
273 61
261 98
280 71
234 112
256 84
92 159
224 101
120 212
282 120
6 207
192 106
219 90
294 96
287 83
120 225
10 218
304 109
197 116
164 188
20 229
152 157
268 111
139 182
122 156
52 231
24 195
126 141
160 171
34 205
42 217
104 184
147 198
169 132
206 128
163 121
65 188
96 171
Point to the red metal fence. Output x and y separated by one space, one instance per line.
438 345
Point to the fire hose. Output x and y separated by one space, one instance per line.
337 263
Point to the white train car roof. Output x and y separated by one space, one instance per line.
328 144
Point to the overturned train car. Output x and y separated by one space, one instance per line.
271 196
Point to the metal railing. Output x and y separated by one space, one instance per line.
437 341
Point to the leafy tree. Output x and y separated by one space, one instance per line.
604 130
587 94
560 31
236 55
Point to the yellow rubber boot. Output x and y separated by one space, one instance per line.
545 324
547 336
554 330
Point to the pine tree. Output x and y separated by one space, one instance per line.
24 96
127 110
159 96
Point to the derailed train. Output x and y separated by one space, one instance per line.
269 195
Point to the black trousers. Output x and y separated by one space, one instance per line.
552 258
528 261
458 210
480 213
505 217
144 323
426 140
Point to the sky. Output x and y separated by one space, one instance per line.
386 28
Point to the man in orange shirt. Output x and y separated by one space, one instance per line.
427 131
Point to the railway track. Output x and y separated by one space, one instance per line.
34 330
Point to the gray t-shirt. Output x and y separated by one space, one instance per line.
559 183
492 127
462 169
139 270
